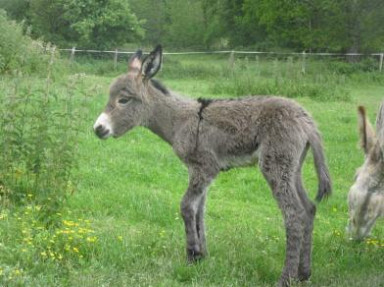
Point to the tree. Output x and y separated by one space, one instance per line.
362 25
153 16
104 23
312 25
92 24
47 19
185 27
180 23
16 9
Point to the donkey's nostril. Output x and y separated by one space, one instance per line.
99 128
101 131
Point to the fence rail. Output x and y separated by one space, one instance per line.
232 54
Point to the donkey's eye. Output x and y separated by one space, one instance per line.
123 101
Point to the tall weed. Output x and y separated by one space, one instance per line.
38 126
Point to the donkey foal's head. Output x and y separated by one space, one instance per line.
127 107
366 196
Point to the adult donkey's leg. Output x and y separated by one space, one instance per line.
192 209
279 170
304 271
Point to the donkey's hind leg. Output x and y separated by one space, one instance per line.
304 271
279 170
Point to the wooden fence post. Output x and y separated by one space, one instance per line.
115 59
381 62
303 62
275 65
232 60
72 56
257 62
289 66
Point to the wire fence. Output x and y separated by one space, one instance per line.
375 59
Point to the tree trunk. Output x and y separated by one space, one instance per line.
354 31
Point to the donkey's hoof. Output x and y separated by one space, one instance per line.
286 281
304 276
194 256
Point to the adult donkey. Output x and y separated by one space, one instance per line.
366 196
214 135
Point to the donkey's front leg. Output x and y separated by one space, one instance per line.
192 210
200 225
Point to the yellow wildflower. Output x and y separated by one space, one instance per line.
91 239
70 223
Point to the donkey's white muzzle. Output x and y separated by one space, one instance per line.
103 127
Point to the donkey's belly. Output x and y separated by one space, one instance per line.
230 161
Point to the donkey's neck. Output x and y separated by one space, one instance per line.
169 113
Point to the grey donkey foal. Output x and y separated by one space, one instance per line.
366 196
214 135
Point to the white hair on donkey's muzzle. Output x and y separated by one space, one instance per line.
103 127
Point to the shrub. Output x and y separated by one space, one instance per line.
368 64
18 52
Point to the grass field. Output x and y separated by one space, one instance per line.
122 226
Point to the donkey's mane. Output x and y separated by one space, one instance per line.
159 86
204 103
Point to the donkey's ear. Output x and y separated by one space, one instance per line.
367 134
134 62
152 63
380 126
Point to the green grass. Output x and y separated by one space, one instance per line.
122 226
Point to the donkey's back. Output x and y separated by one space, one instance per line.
257 117
245 130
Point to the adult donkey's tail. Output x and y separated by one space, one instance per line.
325 183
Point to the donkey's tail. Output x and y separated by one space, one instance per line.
325 183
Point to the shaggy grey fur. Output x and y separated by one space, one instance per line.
366 195
214 135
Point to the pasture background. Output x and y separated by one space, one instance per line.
121 226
